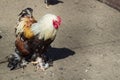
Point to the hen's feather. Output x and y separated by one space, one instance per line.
24 27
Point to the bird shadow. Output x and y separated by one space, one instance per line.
54 2
0 37
59 53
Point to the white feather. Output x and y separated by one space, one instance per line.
44 27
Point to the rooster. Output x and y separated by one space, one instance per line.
40 35
34 37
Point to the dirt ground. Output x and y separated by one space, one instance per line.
87 46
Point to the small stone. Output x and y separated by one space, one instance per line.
75 70
41 76
90 65
16 77
86 70
61 73
51 74
61 68
76 2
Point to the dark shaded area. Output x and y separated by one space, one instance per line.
54 2
112 3
59 53
0 36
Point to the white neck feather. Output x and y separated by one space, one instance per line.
44 27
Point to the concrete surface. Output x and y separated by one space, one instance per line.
87 46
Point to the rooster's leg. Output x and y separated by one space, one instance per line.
34 62
46 3
39 64
47 6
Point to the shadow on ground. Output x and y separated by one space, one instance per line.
54 2
59 53
0 36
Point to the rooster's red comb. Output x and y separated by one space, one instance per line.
59 19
